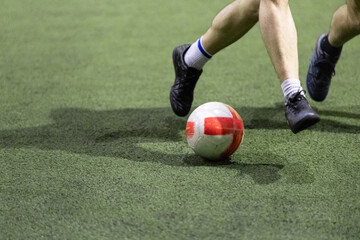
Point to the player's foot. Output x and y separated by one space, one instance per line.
321 70
299 114
182 92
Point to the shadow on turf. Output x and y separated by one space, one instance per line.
117 133
260 173
330 125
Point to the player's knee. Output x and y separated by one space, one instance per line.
233 18
278 3
354 14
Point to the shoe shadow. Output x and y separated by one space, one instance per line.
339 121
343 114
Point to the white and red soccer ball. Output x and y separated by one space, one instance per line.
214 130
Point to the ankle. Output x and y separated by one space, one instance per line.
291 87
330 49
196 56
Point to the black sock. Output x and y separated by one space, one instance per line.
329 49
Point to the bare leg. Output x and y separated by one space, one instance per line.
280 37
233 22
345 23
277 27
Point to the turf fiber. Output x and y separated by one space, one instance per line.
90 149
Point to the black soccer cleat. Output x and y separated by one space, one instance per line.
299 114
182 92
321 70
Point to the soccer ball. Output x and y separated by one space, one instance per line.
214 130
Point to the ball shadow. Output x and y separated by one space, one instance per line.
261 173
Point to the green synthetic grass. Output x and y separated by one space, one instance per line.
90 149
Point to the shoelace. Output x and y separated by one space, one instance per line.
296 97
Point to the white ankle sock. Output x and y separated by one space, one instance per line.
290 87
196 56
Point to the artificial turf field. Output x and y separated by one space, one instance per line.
90 149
